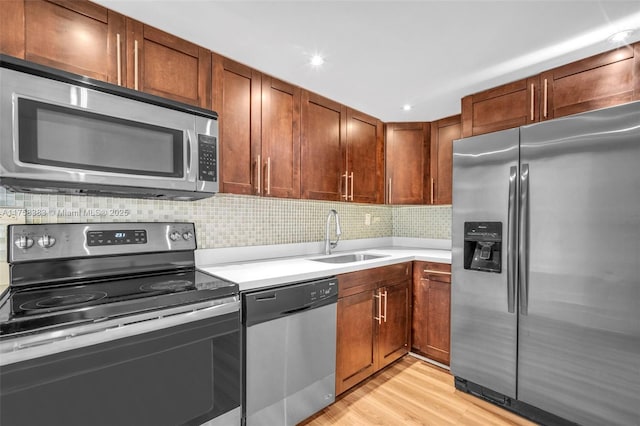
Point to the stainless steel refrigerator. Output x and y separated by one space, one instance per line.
546 268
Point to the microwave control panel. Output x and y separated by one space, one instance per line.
207 158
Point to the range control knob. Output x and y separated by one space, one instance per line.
24 242
187 235
46 241
174 236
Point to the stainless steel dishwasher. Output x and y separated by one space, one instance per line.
290 352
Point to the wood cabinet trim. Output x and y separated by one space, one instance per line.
86 8
636 71
12 25
595 61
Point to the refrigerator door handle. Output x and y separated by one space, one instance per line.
512 238
524 236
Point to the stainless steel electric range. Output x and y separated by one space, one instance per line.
112 324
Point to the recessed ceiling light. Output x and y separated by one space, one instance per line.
406 107
317 60
620 36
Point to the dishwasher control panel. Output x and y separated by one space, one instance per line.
323 290
289 299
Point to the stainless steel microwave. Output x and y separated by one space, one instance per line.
64 133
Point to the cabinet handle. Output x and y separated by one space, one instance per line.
389 190
532 101
379 317
346 186
430 271
385 306
119 59
259 173
544 100
433 185
351 196
268 175
135 64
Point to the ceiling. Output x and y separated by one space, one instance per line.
380 55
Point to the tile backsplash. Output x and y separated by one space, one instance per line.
227 220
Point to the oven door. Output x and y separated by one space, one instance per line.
54 131
184 374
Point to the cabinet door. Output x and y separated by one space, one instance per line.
355 358
601 81
407 162
165 65
322 153
236 97
393 327
432 311
503 107
443 133
280 138
79 36
365 158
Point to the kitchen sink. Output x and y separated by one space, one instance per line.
348 258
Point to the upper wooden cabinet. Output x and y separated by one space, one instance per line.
323 148
259 131
443 133
600 81
165 65
342 152
75 36
88 39
503 107
280 156
365 158
237 92
407 163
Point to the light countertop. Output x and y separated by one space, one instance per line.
254 273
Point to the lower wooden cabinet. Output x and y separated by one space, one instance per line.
431 311
373 322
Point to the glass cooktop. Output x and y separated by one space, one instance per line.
32 309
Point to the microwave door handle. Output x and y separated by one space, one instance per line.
188 154
190 175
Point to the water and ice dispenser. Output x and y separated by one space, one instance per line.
483 246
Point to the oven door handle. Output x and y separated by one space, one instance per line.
48 343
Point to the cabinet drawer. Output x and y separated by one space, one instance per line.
433 271
370 279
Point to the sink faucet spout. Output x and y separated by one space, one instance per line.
328 244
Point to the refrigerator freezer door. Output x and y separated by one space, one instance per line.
483 331
579 341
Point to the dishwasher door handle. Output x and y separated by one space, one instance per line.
296 310
273 296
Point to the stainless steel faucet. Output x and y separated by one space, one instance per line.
328 244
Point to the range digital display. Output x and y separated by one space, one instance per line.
116 237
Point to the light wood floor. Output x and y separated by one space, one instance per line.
411 392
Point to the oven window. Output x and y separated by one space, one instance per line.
66 137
